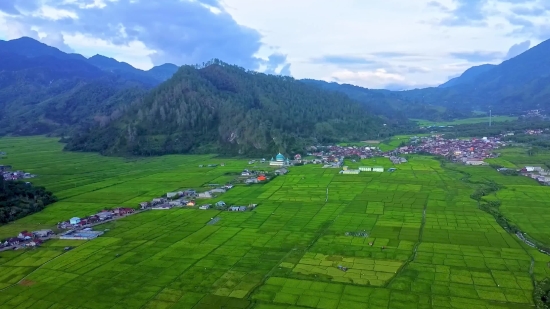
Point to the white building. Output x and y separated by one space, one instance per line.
378 169
355 172
365 169
474 162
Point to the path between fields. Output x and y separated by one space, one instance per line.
268 275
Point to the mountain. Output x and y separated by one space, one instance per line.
152 77
220 108
395 109
515 85
468 76
164 71
44 90
31 48
46 94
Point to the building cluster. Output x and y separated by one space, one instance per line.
8 174
330 153
468 151
26 239
185 198
534 132
536 172
102 216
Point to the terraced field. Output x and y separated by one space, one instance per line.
427 245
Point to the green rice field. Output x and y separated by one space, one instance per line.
427 245
425 123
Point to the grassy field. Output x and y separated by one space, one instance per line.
425 123
427 245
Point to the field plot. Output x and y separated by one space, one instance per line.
318 239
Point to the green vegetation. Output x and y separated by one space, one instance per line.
428 243
426 123
18 199
221 108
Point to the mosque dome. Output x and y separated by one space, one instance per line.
280 157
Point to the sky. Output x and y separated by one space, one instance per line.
391 44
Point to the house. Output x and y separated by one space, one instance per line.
378 169
144 205
251 181
104 215
242 208
189 192
261 178
171 194
42 233
218 190
164 206
298 157
393 169
157 201
281 171
191 203
237 208
175 203
220 204
365 169
25 235
122 211
252 206
204 207
206 194
228 186
245 173
74 220
13 241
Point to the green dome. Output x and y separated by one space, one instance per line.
280 157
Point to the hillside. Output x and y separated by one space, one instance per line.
46 94
468 76
32 48
225 109
517 84
44 90
395 108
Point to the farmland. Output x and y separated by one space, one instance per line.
428 245
426 123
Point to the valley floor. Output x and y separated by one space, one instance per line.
428 244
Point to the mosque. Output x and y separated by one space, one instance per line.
279 160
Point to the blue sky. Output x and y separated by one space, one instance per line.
394 44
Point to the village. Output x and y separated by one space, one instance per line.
9 175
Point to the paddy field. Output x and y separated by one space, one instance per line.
428 245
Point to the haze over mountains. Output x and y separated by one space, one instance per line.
110 106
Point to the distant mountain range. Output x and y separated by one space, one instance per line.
110 106
515 85
44 90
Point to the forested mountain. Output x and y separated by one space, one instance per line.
32 48
468 76
392 105
517 84
224 109
44 90
45 94
18 199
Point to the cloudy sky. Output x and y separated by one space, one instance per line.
393 44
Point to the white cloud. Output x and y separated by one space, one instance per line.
375 78
135 53
403 40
